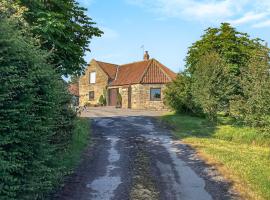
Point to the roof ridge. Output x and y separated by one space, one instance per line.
105 62
99 63
136 62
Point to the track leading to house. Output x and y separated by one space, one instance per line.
134 157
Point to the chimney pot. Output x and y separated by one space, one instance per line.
146 56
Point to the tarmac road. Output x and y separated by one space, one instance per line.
133 156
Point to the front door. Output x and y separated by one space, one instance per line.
113 96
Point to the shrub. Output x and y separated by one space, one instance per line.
254 105
119 100
102 100
35 120
178 95
211 85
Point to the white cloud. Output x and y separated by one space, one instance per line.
262 24
192 9
249 17
211 11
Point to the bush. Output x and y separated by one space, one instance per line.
254 105
178 95
36 122
102 100
211 85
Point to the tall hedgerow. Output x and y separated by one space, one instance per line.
253 106
211 85
35 120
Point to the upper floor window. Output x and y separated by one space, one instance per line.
92 77
155 94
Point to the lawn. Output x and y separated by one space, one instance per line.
242 154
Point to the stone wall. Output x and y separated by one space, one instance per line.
85 87
140 97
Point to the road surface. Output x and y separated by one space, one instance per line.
133 156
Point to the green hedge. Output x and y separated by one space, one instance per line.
36 123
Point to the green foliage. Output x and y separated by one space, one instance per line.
63 29
227 72
178 95
12 10
119 100
234 47
36 123
254 105
74 79
211 85
102 100
80 139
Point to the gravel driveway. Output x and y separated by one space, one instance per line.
133 156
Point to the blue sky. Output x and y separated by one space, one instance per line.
167 28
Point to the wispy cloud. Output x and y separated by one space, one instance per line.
211 11
249 17
262 24
191 9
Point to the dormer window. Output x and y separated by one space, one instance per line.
92 77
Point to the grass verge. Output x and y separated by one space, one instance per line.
241 154
68 161
80 139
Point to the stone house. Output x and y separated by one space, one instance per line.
139 84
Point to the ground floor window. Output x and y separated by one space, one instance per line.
155 94
91 95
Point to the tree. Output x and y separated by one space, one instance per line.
211 84
33 113
64 30
254 105
178 95
234 47
12 10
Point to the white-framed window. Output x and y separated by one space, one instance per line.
92 77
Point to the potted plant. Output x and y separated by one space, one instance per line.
119 101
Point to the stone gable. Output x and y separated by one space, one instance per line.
98 88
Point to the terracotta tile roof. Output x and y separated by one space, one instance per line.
108 68
155 74
149 71
169 72
131 73
73 89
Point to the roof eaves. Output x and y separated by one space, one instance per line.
97 62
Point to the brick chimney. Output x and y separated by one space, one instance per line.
146 56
